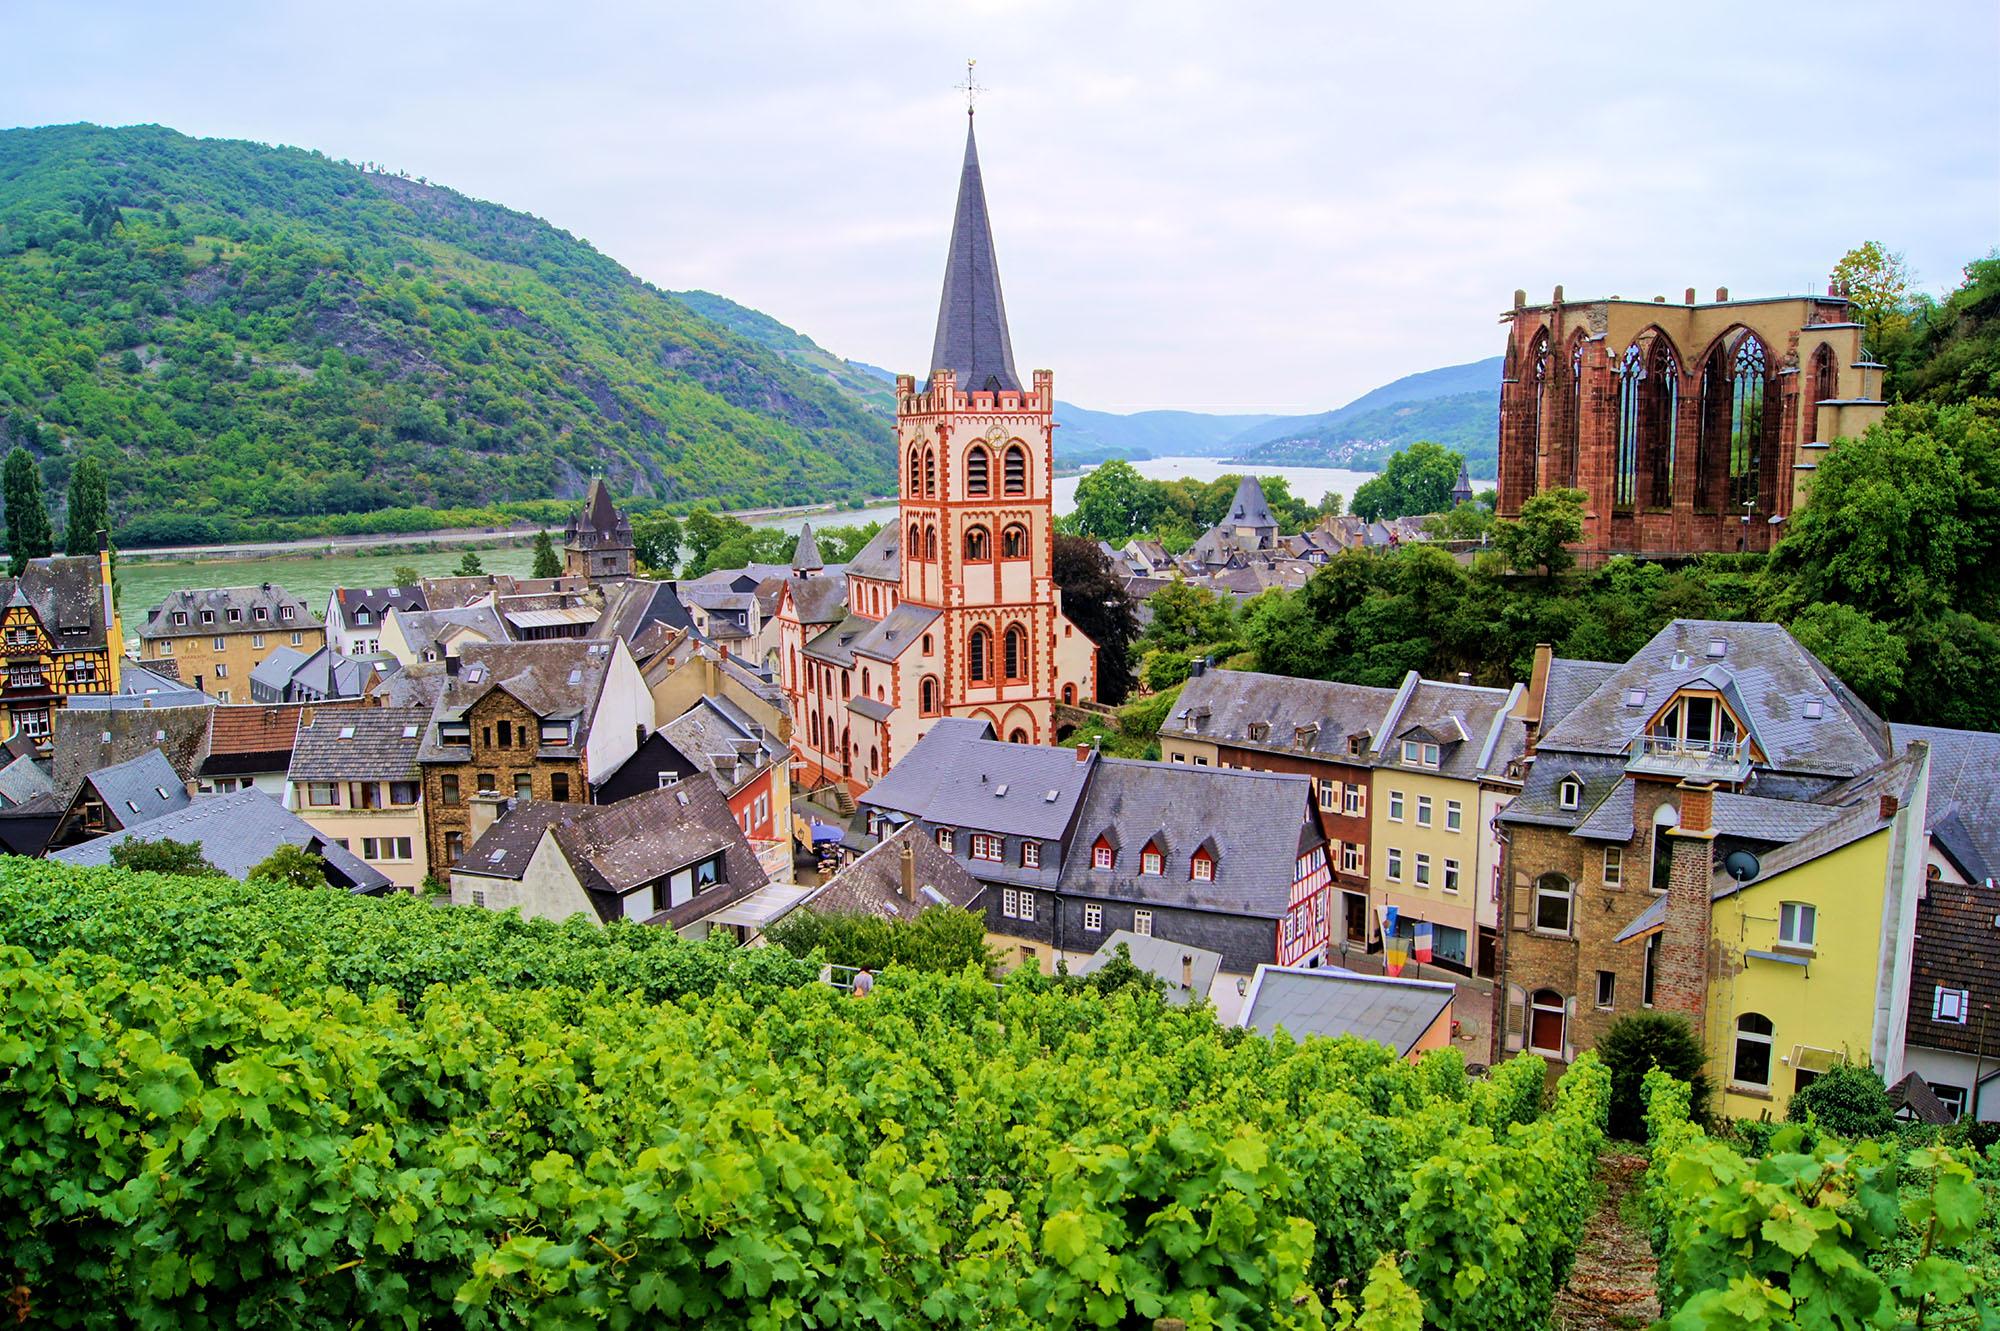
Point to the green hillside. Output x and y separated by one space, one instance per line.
243 332
1467 423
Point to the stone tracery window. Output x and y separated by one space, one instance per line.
1014 541
1631 389
1538 357
978 545
1749 368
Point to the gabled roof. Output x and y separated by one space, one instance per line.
873 884
1965 793
632 608
88 741
893 634
1439 713
66 593
836 645
720 738
821 599
1332 1002
972 318
358 742
378 601
1255 820
958 776
23 780
256 737
881 557
275 671
556 680
140 789
1223 706
237 832
1163 958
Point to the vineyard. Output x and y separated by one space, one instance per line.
262 1107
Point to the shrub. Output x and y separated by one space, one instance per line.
163 856
1166 669
294 866
1848 1100
944 939
1636 1045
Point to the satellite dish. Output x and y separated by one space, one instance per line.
1741 865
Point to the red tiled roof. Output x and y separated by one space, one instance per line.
255 728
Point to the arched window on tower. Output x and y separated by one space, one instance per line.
1826 376
1014 661
978 545
916 542
1014 541
1014 477
979 655
930 541
1749 368
1531 428
1631 388
1566 473
930 473
978 465
916 473
927 696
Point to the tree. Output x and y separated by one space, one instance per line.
1538 539
1417 479
1957 356
1847 1100
1185 615
1164 670
1098 604
548 564
469 565
1637 1044
1114 502
1878 283
657 537
1868 656
29 533
406 575
162 856
89 512
294 866
941 939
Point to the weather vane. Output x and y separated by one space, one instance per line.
971 87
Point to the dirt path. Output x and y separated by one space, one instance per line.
1611 1285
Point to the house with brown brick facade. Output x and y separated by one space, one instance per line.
531 720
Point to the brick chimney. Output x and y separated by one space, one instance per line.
1187 970
1889 806
486 808
907 862
1083 751
1681 979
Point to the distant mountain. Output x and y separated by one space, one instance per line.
244 332
1092 436
1466 422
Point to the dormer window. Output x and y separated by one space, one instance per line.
1260 731
208 616
1419 753
363 617
235 616
180 617
285 613
261 613
1357 745
1696 721
1151 862
1569 795
1202 867
1102 856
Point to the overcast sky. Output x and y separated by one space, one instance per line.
1226 207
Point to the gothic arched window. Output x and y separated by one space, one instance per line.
1660 428
1014 660
1631 385
927 696
1749 366
1538 358
977 468
1014 476
930 473
1826 375
1573 424
978 545
930 541
916 542
1014 541
979 655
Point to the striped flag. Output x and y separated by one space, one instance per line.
1423 940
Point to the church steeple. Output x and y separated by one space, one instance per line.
972 319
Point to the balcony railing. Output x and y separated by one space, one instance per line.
1673 755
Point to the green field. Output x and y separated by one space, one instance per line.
310 577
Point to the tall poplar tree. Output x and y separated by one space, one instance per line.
29 533
89 509
547 563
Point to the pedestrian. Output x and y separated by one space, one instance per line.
863 982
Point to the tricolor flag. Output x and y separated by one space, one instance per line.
1395 949
1423 940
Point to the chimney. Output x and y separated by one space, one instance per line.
1465 676
1187 970
1697 809
451 664
907 858
1198 667
1690 295
487 806
1083 751
1683 967
1721 295
640 726
1889 806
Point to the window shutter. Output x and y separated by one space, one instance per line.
1569 1029
1517 1009
1362 812
1519 903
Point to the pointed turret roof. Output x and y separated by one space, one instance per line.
1249 509
598 524
1462 491
806 558
972 319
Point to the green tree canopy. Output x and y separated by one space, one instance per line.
1957 356
1114 502
163 856
547 564
1186 615
657 541
1539 539
1100 607
1417 479
295 866
469 565
29 533
88 511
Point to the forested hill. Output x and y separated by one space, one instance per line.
242 332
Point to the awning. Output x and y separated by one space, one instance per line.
760 907
548 619
824 832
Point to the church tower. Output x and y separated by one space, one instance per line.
977 461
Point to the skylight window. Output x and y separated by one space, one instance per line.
496 857
1815 709
347 732
474 675
1052 797
999 790
1635 697
1717 647
576 676
409 732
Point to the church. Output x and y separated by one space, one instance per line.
953 609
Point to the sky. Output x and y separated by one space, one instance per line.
1220 207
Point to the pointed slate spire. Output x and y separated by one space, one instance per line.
1249 508
806 558
972 319
1461 493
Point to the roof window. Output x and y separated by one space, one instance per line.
1815 709
1635 697
576 676
347 732
409 732
1717 647
496 857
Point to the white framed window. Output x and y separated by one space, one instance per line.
1395 806
1395 865
1423 811
165 647
1451 876
1142 923
1093 917
1552 903
1614 865
1010 903
1329 795
1751 1066
1950 1005
1547 1016
298 639
1423 869
1798 924
1028 906
1202 869
1151 863
323 794
1350 857
223 696
256 640
220 644
1354 799
1031 854
1101 857
1569 795
1454 816
945 839
222 670
986 846
1951 1097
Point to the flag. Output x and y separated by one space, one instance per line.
1423 949
1395 949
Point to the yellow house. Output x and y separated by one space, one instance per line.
1810 943
215 637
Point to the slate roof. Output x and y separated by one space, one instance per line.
378 601
631 608
557 680
820 599
1569 683
327 674
1957 947
1161 957
873 884
955 775
720 738
256 737
1759 818
1254 823
873 709
382 746
426 630
881 557
237 832
1248 508
894 632
273 674
1965 794
269 596
806 556
87 741
419 685
24 780
598 525
142 680
1766 668
1332 1002
140 789
67 595
1223 705
1913 1095
836 645
1440 713
972 336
